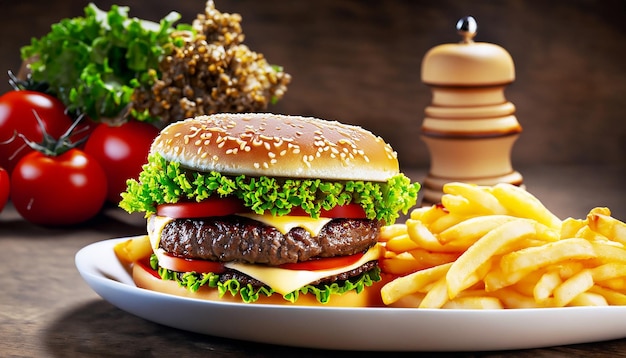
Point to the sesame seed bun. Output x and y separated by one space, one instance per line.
263 144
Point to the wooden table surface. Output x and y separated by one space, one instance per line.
47 310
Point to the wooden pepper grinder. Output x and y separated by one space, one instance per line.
469 127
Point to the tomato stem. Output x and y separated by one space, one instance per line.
28 84
51 146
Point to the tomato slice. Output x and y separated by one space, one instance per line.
325 263
205 208
348 211
180 264
145 264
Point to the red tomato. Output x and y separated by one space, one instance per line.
4 188
189 265
349 211
122 151
325 263
145 264
58 190
205 208
16 116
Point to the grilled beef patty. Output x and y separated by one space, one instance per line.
236 238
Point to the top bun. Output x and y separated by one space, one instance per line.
263 144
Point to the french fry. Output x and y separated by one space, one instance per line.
570 227
437 295
474 302
485 248
572 287
485 202
430 259
521 203
587 233
401 264
513 299
589 299
608 271
472 229
532 258
388 232
459 205
546 285
569 268
607 226
612 297
424 238
406 285
609 253
133 249
617 284
401 243
428 214
496 279
444 222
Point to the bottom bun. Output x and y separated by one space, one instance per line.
369 297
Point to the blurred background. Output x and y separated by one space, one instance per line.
359 62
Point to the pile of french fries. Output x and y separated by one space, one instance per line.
493 247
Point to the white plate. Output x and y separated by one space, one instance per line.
379 329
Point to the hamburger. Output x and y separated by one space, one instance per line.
267 208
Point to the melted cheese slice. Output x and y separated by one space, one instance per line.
156 224
285 281
287 222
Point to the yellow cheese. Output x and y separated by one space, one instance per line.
286 223
284 281
156 224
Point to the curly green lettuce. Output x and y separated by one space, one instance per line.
192 281
95 62
163 182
